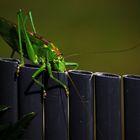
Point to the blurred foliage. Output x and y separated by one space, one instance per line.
14 131
92 29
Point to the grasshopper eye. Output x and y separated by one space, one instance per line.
54 61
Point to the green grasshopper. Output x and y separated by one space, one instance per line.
34 47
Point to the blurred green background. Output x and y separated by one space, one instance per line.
98 31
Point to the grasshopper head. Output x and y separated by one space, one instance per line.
59 64
58 61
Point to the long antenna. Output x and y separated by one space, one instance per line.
119 51
71 55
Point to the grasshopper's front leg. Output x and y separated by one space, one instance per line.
72 64
56 80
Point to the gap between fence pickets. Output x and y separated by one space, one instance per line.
43 118
68 119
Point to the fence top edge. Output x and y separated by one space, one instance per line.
131 76
106 74
11 60
81 72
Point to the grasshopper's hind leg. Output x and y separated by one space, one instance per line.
37 73
32 23
29 46
20 46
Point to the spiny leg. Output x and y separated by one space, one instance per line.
51 76
20 45
31 53
31 20
37 73
34 76
32 23
56 80
29 46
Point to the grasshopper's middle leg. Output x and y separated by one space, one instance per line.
39 82
51 76
37 73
